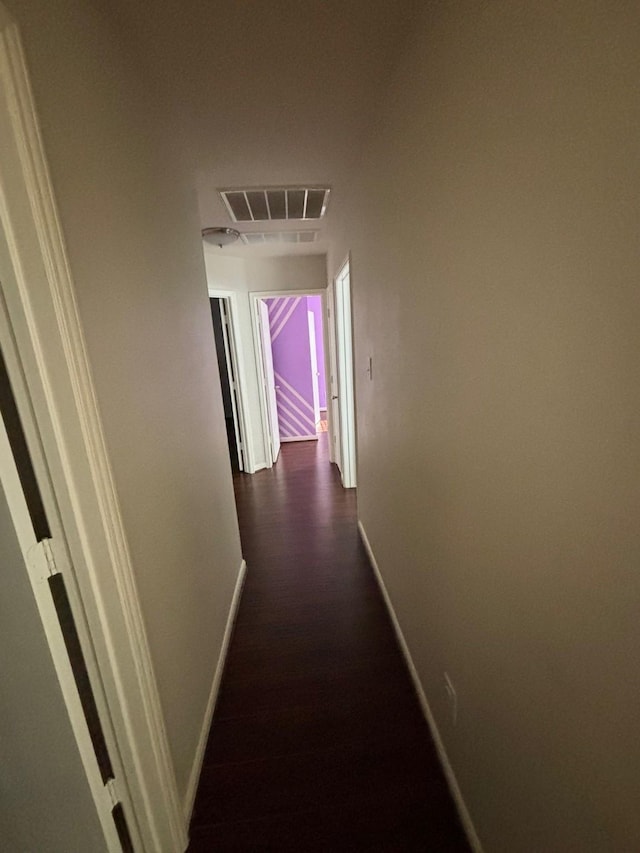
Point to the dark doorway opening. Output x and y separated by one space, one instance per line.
225 382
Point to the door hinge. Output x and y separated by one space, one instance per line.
112 792
49 557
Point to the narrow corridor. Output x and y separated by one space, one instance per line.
318 742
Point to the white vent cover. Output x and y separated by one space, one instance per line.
276 203
261 238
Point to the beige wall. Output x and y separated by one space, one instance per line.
494 232
247 275
130 222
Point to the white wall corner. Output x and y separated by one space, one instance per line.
194 777
454 788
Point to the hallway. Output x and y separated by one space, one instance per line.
318 741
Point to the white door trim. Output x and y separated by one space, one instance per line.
344 356
254 298
46 328
333 402
237 359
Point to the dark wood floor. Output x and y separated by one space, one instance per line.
318 742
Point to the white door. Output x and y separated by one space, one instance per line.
346 391
47 804
269 380
232 371
314 368
333 401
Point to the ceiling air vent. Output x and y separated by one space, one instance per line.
277 203
262 238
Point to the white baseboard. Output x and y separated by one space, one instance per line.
194 778
313 437
258 467
456 793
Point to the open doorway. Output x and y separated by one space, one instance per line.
291 335
221 315
296 341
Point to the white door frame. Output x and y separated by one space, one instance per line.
254 298
343 324
40 326
241 418
333 398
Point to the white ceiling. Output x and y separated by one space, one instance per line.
270 92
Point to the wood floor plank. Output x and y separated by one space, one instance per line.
318 741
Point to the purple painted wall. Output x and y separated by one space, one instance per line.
290 345
314 304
